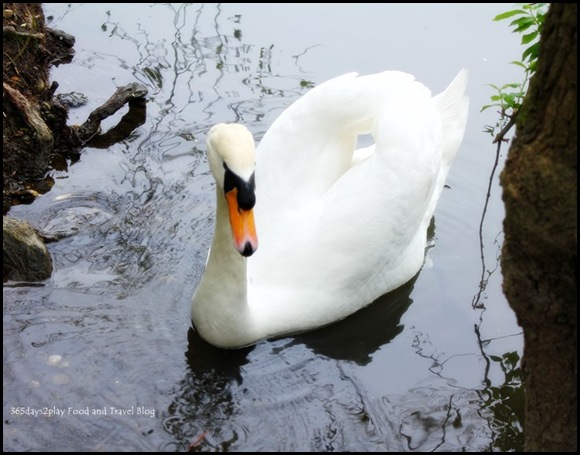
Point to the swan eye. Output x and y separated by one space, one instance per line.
246 188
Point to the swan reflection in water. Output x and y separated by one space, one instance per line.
227 391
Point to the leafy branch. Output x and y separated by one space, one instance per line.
527 19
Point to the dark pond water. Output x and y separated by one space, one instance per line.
106 342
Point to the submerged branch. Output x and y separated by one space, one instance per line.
476 302
133 94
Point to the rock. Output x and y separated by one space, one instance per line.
72 99
25 257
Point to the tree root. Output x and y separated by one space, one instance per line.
33 120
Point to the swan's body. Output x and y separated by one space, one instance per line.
337 228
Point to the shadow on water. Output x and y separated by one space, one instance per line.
356 338
203 357
237 400
211 398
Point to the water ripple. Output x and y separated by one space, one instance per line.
110 330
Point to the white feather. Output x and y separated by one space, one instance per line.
338 228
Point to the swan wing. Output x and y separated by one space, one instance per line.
337 228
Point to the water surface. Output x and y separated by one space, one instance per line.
106 342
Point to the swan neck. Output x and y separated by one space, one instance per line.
220 305
223 252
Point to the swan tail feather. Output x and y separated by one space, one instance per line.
453 106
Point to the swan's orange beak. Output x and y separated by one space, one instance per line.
243 227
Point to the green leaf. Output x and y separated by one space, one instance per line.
527 19
512 358
487 106
512 85
534 6
507 14
529 37
523 24
509 100
531 53
515 62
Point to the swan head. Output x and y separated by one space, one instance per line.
232 160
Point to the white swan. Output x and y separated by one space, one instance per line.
337 228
